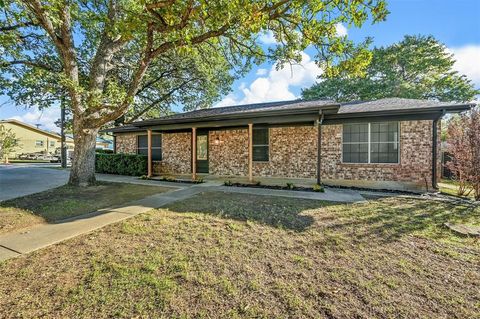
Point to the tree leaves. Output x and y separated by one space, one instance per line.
418 67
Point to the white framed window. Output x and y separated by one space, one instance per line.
261 145
376 142
38 143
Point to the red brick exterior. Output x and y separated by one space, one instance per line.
414 169
293 154
176 154
228 156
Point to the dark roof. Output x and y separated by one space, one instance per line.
241 109
387 106
392 104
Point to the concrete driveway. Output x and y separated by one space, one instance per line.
19 180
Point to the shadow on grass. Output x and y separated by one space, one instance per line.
279 212
386 219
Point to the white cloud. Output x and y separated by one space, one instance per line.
341 30
277 84
46 118
267 38
261 72
468 61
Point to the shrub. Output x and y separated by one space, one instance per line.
103 151
318 188
290 186
228 183
121 164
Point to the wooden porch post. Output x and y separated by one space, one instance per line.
319 149
194 153
149 148
250 152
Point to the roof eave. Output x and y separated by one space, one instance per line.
330 108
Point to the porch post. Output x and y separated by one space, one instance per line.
194 153
250 152
319 148
149 149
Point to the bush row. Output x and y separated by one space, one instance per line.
121 164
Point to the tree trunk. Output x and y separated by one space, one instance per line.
83 167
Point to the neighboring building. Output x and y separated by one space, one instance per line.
34 140
390 143
104 142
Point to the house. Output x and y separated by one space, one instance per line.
387 144
32 139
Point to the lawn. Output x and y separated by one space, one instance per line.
225 255
66 202
450 187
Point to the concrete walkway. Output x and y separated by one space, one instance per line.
27 240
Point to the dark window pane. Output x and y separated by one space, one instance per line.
142 151
142 141
363 157
156 140
260 136
260 153
156 154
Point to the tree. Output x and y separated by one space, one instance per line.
463 143
418 67
101 53
8 142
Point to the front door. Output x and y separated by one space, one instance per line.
202 152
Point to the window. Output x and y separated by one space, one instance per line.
52 143
260 144
38 143
142 146
371 142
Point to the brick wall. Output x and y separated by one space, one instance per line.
176 150
126 143
176 154
230 155
415 165
293 153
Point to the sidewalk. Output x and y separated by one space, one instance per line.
25 241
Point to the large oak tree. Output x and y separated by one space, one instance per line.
111 58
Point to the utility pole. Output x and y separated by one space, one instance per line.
62 133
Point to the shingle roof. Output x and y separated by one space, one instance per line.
246 108
348 109
391 104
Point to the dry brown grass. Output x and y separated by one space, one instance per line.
220 255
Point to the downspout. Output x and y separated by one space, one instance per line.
434 149
319 148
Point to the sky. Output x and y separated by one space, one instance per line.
454 23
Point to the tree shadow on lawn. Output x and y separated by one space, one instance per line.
279 212
386 219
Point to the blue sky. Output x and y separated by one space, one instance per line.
455 23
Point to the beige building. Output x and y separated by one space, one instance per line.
34 140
